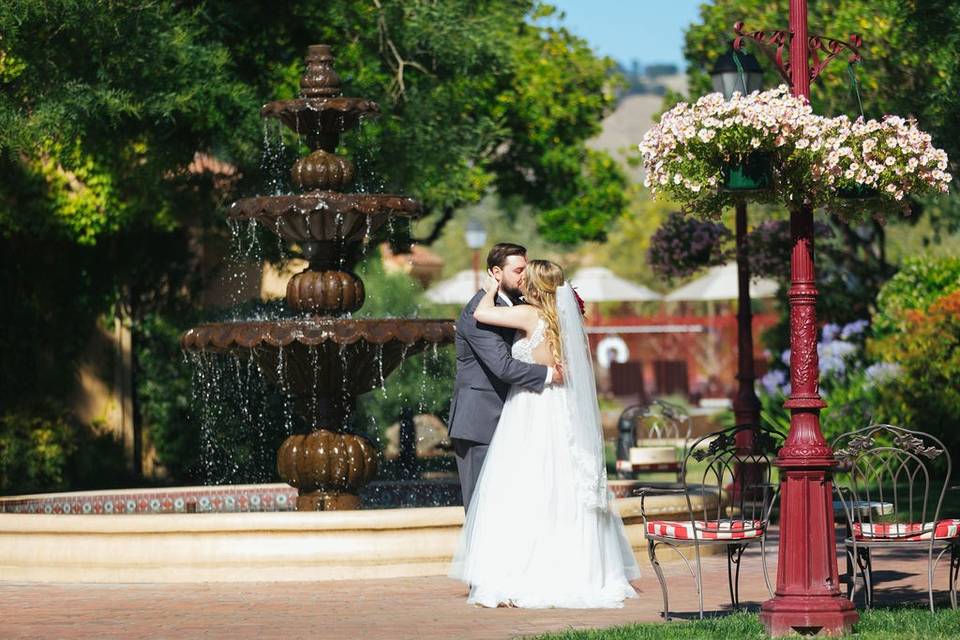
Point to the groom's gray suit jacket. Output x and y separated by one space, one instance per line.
485 372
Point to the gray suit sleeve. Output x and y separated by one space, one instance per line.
491 349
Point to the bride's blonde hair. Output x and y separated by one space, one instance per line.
541 279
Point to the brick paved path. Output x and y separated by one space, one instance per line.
415 608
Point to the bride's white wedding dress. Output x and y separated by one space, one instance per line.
529 540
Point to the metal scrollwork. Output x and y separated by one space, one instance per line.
721 442
856 446
915 445
763 442
775 44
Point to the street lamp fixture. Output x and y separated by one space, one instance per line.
729 78
476 237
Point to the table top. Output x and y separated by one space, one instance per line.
865 507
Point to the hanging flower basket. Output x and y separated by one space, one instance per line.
874 165
754 173
785 153
687 156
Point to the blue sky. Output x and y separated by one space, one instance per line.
647 30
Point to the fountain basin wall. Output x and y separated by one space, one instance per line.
253 547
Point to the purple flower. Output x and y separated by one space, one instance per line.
855 328
773 382
830 332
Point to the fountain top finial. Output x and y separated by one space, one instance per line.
319 80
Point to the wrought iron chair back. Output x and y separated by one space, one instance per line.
661 420
893 495
654 424
891 481
749 502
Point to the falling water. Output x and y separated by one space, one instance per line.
383 382
272 157
421 405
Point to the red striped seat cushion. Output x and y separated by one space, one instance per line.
706 530
941 530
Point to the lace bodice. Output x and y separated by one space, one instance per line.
523 348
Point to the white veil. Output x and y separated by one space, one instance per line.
585 432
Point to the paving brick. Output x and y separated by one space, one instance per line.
432 608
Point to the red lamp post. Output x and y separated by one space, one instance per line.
807 596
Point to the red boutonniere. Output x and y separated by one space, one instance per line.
583 307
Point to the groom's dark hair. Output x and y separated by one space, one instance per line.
501 251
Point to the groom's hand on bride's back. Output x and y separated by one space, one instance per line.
557 374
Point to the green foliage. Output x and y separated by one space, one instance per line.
851 384
475 95
164 392
34 452
909 63
927 349
45 450
919 282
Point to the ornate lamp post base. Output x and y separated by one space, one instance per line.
804 614
808 599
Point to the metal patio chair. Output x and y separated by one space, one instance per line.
654 424
739 518
890 501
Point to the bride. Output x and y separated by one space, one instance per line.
540 530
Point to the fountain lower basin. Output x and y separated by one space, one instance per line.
276 546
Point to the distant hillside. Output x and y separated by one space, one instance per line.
624 128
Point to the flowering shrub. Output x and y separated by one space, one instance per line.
851 386
917 285
815 160
682 246
927 350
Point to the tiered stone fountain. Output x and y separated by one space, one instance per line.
324 360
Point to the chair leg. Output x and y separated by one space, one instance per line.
930 576
696 548
734 554
954 570
862 559
763 563
851 576
868 578
652 552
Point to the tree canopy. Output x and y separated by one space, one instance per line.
104 106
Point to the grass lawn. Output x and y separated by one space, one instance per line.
877 623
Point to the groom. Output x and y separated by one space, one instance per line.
486 370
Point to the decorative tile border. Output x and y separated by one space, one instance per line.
214 500
227 499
